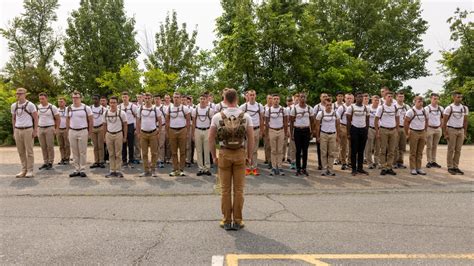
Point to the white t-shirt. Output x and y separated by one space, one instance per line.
204 116
178 115
387 115
402 110
255 111
276 116
78 116
318 108
229 112
288 111
114 120
97 113
163 110
328 121
46 115
342 113
434 115
372 112
456 119
302 115
62 117
359 115
22 118
220 106
148 117
418 118
131 112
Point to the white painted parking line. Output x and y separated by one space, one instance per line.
217 260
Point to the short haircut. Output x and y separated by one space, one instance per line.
157 95
375 96
124 93
230 95
289 99
43 94
358 93
96 96
147 94
339 93
418 98
103 97
113 98
328 100
275 95
176 94
76 93
400 93
61 98
456 93
434 94
389 92
251 90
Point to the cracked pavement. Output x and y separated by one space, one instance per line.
52 219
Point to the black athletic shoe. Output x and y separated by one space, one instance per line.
383 172
208 173
102 165
94 165
74 174
459 171
49 167
344 167
354 173
435 164
391 172
82 174
228 227
320 167
452 171
298 172
304 172
429 165
44 166
236 226
112 174
199 173
362 171
119 174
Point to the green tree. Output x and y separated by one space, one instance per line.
386 34
126 79
99 38
175 51
7 97
33 43
159 82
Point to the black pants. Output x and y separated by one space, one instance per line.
130 144
302 137
318 151
358 141
106 152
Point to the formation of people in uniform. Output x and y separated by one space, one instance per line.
351 130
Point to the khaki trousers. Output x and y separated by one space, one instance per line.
455 141
162 144
433 135
189 147
64 147
277 141
149 141
267 148
256 141
46 140
78 141
327 142
400 146
344 144
232 177
372 149
24 145
417 144
291 152
137 148
98 142
201 141
114 146
178 140
388 140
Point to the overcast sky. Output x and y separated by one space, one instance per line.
202 14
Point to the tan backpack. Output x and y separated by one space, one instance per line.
232 131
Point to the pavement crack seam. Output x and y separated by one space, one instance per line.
284 209
147 251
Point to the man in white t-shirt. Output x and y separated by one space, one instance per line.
358 124
79 124
162 139
276 118
416 122
344 149
188 101
266 139
372 148
25 128
62 134
256 112
97 136
201 116
115 134
318 108
233 157
289 149
48 122
433 133
128 147
400 147
455 131
177 124
327 132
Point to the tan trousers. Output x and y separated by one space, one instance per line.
232 177
455 141
201 141
277 141
46 140
162 144
256 141
98 142
400 146
64 148
114 146
78 141
433 135
189 147
372 149
177 140
291 152
24 145
327 143
149 141
388 139
344 145
417 144
267 148
137 148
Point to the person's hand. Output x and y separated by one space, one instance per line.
34 133
137 132
408 135
248 161
292 137
56 131
124 139
216 161
446 136
318 140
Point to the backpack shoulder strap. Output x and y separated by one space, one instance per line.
223 116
